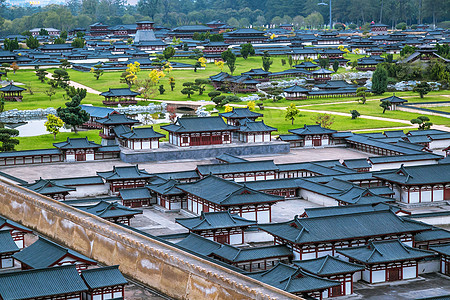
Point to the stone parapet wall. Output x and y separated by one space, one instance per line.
170 270
199 152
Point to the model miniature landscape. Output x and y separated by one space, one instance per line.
159 150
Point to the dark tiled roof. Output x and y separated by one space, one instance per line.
74 181
128 172
401 158
296 89
394 99
198 125
239 167
316 212
240 113
442 249
214 220
234 254
383 252
7 244
11 88
311 230
180 175
32 284
142 133
44 253
103 277
120 92
226 193
96 111
251 126
292 280
328 265
105 209
116 119
311 129
76 143
47 187
166 188
5 223
135 193
432 235
199 244
424 174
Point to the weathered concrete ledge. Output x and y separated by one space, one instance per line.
168 269
199 152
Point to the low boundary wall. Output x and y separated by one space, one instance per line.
167 269
199 152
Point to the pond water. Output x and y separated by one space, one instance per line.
36 127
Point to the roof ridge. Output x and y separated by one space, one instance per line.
323 264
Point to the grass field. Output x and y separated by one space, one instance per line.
46 141
372 108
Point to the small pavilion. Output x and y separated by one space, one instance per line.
12 92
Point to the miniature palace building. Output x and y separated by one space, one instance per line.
12 92
199 131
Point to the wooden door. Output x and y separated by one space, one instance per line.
446 192
393 274
336 291
223 239
317 141
80 156
195 141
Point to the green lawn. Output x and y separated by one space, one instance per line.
46 141
372 108
275 118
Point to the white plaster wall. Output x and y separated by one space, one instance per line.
426 196
155 144
366 275
257 236
267 137
439 144
409 272
7 263
263 217
90 156
308 143
235 239
438 195
137 145
250 216
429 266
325 142
317 198
357 276
89 190
413 197
308 255
442 264
378 276
325 294
258 138
396 165
70 157
348 288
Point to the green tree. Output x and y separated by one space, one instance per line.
220 100
61 77
32 42
355 114
7 139
63 35
50 92
172 83
188 89
213 94
324 62
422 88
64 64
72 92
379 80
78 43
72 114
385 105
43 32
230 59
59 41
247 50
335 66
97 70
266 61
291 113
290 61
169 52
161 89
53 124
201 85
11 45
423 122
362 92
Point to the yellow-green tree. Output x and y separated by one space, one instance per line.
251 105
202 62
228 108
156 75
291 113
220 64
53 125
172 83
